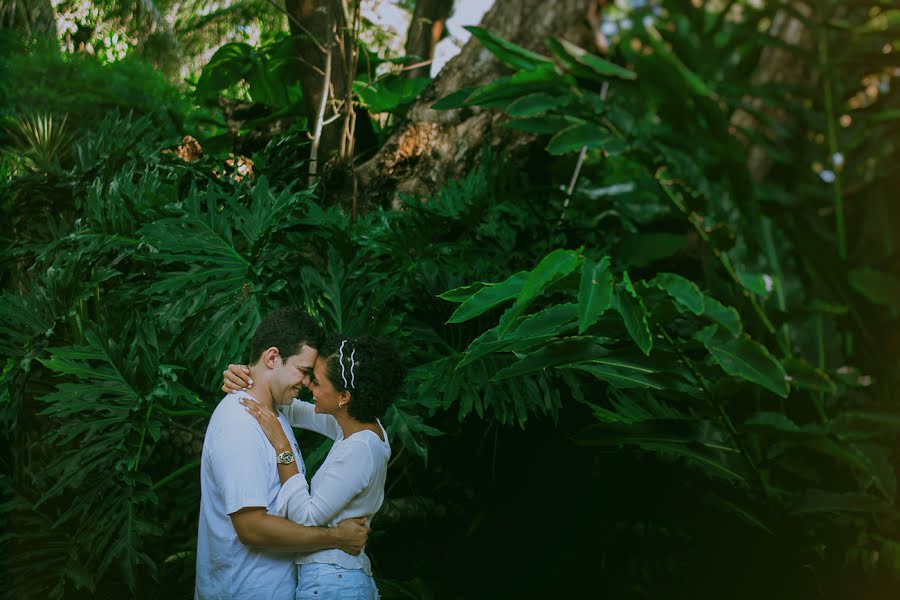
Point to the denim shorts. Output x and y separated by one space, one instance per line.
322 581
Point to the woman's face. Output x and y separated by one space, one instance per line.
326 397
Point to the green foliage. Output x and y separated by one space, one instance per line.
43 81
730 334
659 178
595 293
115 335
389 93
41 143
267 70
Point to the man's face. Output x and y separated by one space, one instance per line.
292 374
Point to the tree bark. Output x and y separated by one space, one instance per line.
425 31
431 146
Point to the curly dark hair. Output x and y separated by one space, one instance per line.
287 329
377 374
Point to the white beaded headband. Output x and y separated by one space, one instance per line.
352 367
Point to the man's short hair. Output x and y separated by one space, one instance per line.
287 329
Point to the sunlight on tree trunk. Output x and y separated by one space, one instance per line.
434 146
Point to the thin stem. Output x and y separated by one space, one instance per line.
820 346
320 117
772 256
575 173
137 458
175 474
579 164
837 192
697 221
723 415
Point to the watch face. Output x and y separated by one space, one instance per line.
286 458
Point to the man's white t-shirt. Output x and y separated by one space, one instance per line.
238 470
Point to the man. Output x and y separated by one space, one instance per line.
243 552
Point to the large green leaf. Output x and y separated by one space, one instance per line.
678 438
238 61
542 326
685 292
102 423
642 249
621 372
231 63
546 124
455 99
781 424
534 104
757 283
488 297
878 286
390 93
631 306
601 67
551 269
508 53
500 93
693 81
561 353
726 316
587 135
211 261
804 376
745 359
406 426
810 437
464 292
595 293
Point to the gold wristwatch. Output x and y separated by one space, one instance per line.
285 458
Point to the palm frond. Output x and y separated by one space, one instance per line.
42 141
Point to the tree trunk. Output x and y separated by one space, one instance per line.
776 65
425 31
319 28
431 146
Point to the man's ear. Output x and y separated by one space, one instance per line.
271 357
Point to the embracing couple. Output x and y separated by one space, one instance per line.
265 533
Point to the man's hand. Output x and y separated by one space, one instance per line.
255 527
236 378
351 535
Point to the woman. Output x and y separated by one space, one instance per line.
352 385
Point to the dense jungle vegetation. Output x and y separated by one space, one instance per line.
640 257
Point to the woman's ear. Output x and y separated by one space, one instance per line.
345 398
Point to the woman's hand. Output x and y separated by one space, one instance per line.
269 423
236 378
